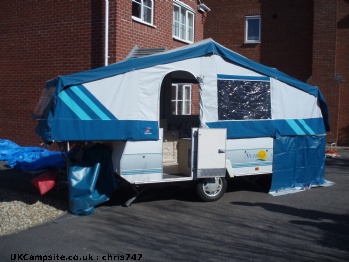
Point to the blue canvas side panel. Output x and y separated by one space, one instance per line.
246 129
270 128
69 129
44 128
299 161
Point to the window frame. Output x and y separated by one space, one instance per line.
140 19
247 18
182 99
188 12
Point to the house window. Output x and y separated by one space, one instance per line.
142 10
253 29
183 22
181 99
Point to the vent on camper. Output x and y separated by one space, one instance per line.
137 52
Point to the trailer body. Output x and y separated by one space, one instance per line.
251 119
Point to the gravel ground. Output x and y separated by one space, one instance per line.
22 210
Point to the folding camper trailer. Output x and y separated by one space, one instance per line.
251 119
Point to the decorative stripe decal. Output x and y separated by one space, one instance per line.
252 164
89 103
295 127
140 171
73 106
243 149
237 77
302 122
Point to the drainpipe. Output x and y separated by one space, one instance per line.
339 81
106 38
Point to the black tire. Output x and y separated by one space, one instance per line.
211 188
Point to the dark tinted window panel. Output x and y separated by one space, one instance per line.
243 100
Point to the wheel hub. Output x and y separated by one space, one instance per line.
212 186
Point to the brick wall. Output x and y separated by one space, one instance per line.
287 36
286 32
342 69
324 58
226 25
42 39
195 100
129 32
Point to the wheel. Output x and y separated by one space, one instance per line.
211 189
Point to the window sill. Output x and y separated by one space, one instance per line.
252 42
181 40
136 19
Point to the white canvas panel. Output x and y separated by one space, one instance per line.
211 67
150 84
288 102
225 68
119 94
208 102
149 93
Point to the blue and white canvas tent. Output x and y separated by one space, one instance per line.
122 102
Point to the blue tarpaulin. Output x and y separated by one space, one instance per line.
29 158
91 178
7 149
299 162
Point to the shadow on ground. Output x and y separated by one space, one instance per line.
334 226
337 162
186 191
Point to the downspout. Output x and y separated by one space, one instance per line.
106 38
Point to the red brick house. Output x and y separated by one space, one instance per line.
42 39
307 39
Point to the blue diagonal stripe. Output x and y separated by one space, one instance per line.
306 127
73 106
89 103
295 127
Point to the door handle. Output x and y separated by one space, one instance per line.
221 151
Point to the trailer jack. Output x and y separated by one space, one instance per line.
137 192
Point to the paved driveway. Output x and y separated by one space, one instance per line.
247 224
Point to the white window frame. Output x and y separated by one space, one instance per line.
182 99
253 41
188 11
141 18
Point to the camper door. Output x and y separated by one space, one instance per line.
211 146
